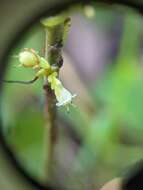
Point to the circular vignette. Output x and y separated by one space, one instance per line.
46 11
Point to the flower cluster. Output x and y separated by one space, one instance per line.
29 58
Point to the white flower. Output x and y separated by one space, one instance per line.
65 97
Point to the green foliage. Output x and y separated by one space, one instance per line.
20 104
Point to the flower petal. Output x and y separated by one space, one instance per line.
65 97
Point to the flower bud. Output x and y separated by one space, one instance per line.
28 58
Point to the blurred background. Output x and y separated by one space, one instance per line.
100 138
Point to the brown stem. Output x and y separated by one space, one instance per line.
50 110
50 130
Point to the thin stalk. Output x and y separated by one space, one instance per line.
20 82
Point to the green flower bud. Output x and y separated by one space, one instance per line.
28 58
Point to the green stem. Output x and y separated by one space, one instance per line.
54 44
53 54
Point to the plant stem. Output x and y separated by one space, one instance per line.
53 54
49 132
